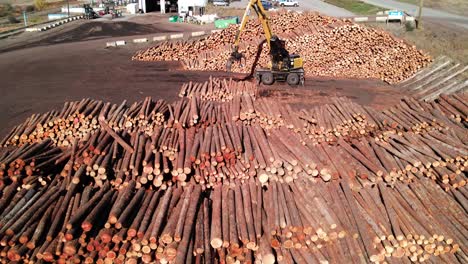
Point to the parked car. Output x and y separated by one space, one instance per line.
267 5
288 3
220 3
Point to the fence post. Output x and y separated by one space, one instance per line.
25 18
68 8
419 21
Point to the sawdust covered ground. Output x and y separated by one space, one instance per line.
43 77
83 30
316 91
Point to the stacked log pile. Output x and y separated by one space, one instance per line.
232 222
77 119
221 90
370 53
156 143
328 46
282 23
345 51
346 119
443 76
223 176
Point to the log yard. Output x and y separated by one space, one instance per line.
291 135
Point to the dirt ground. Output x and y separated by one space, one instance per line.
316 91
125 28
437 37
42 77
454 6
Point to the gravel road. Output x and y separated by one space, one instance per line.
427 12
309 5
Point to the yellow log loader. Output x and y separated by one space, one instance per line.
283 66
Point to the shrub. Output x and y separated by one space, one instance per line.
5 10
12 19
410 25
30 8
40 4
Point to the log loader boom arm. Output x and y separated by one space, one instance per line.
257 6
276 46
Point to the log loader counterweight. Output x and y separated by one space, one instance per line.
283 67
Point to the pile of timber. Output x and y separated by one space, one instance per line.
224 179
328 47
347 119
282 23
156 143
302 222
220 153
443 76
215 89
77 119
345 51
360 52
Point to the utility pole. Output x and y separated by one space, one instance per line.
25 18
419 22
162 4
68 8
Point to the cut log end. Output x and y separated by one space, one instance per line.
216 243
263 178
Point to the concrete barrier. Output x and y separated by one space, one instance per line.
381 18
111 44
52 25
140 40
176 36
159 38
120 43
198 33
361 19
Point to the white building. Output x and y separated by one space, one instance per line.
196 6
193 7
155 5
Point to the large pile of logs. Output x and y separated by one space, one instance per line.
358 51
443 76
299 222
345 51
282 23
346 119
77 119
156 143
223 176
222 90
328 46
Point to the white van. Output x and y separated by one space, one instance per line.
288 3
